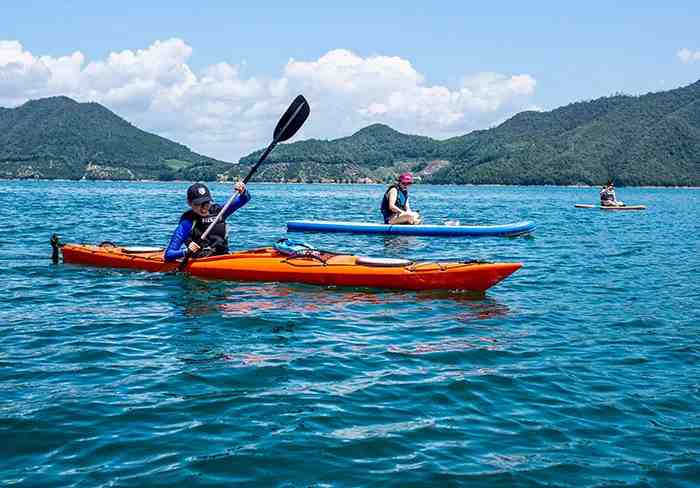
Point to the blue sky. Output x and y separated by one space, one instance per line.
446 68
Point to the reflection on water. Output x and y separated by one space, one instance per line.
482 310
199 297
401 244
448 345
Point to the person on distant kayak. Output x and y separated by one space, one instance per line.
395 207
607 196
195 222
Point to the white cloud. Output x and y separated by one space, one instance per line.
353 91
220 112
342 72
687 56
21 74
12 52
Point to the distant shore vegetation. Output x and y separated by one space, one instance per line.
647 140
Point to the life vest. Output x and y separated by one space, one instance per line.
217 239
607 195
401 200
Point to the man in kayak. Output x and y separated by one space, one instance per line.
395 207
607 196
195 222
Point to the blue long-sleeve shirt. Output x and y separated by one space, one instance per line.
184 229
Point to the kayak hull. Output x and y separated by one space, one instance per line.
267 264
504 230
605 207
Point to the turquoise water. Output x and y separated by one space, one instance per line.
581 369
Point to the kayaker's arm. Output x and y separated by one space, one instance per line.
181 234
240 200
393 194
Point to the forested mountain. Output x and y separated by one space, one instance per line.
60 138
652 139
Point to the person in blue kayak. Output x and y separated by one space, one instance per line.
395 207
194 222
607 196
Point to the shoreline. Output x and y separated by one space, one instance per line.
65 180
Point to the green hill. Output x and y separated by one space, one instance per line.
652 139
369 154
60 138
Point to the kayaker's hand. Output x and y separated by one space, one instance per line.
193 247
239 187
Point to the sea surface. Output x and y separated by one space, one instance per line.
581 369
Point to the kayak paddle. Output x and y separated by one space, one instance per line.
291 121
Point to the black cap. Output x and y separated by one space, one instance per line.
198 194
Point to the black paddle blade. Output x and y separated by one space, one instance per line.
292 120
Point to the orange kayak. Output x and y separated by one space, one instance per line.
326 269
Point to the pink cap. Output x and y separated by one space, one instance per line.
406 178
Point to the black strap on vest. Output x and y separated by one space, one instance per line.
386 212
216 242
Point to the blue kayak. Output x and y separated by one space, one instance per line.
514 229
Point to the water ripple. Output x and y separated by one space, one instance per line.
580 370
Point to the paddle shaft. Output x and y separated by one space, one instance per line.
245 180
289 124
252 171
262 158
218 216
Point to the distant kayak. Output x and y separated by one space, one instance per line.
507 230
300 264
603 207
